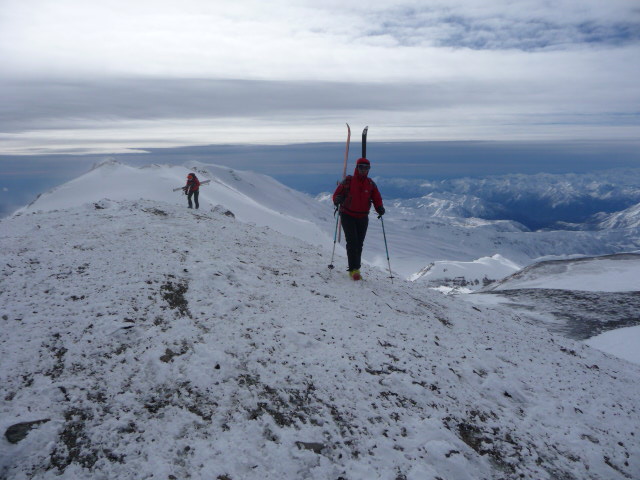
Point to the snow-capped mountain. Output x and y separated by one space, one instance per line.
144 340
627 218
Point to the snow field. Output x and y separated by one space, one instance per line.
622 342
164 342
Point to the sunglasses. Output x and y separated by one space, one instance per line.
364 167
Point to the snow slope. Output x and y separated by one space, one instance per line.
149 341
609 273
627 218
594 299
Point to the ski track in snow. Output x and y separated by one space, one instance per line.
165 343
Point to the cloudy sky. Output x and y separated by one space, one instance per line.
116 75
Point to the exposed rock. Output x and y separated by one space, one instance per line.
315 447
19 431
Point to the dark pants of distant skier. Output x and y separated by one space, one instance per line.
195 198
355 229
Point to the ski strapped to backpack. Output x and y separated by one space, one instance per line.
204 182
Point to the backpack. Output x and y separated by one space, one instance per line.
346 183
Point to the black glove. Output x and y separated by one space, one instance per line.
338 200
380 211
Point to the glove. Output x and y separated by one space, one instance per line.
338 200
380 211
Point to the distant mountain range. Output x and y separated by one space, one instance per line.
539 201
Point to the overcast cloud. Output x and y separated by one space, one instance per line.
81 76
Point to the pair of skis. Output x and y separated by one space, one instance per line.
346 160
201 183
364 148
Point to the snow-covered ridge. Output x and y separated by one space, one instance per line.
445 204
472 275
252 197
143 340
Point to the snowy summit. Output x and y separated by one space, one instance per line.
145 340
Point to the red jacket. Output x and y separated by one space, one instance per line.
359 192
193 184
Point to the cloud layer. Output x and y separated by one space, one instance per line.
81 75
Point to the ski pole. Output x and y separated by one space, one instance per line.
335 237
386 248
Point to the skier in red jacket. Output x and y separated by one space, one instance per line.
354 197
192 189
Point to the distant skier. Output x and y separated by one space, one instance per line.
354 197
192 189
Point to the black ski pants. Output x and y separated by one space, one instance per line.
195 198
355 229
